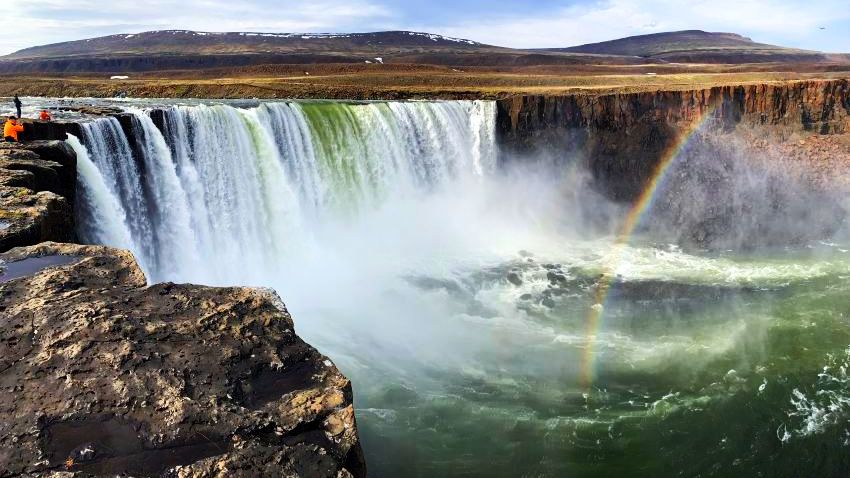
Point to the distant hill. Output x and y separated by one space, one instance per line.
183 49
185 42
696 46
190 50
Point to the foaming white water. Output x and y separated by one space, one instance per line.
828 404
108 149
635 262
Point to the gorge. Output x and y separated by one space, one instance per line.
449 258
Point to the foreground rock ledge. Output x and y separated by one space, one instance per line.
101 375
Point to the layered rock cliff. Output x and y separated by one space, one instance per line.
526 122
793 137
37 190
640 125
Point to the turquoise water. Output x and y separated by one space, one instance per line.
712 365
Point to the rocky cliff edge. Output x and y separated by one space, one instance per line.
103 375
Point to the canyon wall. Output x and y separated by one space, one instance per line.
622 136
750 162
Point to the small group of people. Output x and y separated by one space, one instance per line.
13 127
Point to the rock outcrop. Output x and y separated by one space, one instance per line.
37 190
49 130
102 375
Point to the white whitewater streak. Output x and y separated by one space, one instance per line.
107 220
239 197
110 152
828 405
225 195
173 232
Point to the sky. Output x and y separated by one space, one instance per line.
811 24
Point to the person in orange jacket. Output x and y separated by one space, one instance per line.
11 130
44 116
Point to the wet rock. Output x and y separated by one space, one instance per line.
548 302
91 110
102 375
556 278
49 130
514 279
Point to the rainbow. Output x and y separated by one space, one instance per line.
611 263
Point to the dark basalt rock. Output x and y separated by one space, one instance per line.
37 190
101 375
49 130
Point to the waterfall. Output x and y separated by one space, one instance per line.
222 195
102 212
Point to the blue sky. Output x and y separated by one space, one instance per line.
515 23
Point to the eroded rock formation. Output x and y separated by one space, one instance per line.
37 190
528 122
102 375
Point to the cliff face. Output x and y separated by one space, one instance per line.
101 375
37 190
820 106
622 136
793 137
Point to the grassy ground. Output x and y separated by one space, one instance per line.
412 81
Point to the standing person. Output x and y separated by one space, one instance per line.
18 105
11 130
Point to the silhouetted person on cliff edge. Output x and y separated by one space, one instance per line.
18 105
11 130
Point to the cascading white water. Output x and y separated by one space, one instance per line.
105 219
225 195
